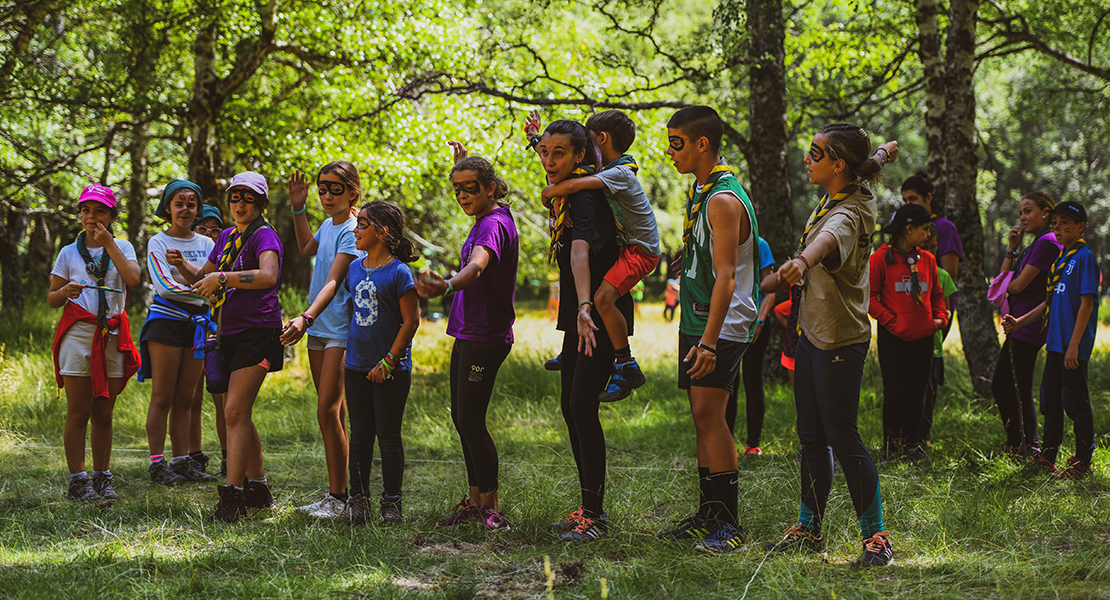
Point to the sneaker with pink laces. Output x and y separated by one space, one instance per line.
752 451
493 520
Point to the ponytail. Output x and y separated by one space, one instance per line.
389 221
486 175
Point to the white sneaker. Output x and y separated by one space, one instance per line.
329 507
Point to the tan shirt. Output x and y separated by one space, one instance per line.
834 305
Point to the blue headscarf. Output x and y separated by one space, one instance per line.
171 188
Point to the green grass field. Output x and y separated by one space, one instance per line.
967 524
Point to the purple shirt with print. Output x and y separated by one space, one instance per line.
483 312
948 239
1041 254
248 309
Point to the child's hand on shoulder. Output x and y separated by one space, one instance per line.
298 190
548 193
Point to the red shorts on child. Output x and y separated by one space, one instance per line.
632 265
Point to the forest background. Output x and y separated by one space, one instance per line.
992 99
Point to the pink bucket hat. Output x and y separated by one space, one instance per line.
251 180
98 193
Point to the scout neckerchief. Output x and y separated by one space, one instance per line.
559 213
823 209
230 252
916 288
1057 271
99 270
614 204
693 207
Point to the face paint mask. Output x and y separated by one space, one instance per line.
676 143
468 187
816 154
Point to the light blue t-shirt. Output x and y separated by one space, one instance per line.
376 313
333 240
1081 276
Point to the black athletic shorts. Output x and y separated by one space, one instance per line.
724 374
171 332
241 350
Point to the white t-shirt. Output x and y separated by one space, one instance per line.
70 266
166 279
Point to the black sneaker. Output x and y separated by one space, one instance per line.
162 474
202 460
695 528
572 521
102 483
358 509
586 530
390 509
723 538
81 488
191 471
257 494
877 551
626 377
555 364
230 508
797 538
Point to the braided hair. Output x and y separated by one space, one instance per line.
389 222
851 144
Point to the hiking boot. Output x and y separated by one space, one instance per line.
798 537
81 488
230 507
257 494
462 512
586 529
162 474
357 509
102 484
202 460
695 528
572 521
390 509
626 377
877 551
190 469
555 364
1074 470
328 507
723 538
752 451
493 520
1041 463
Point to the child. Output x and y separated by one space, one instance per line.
481 321
936 374
1071 311
751 366
908 303
173 337
93 352
378 365
333 246
720 272
614 133
209 223
240 280
670 299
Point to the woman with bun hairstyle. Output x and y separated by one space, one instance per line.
831 271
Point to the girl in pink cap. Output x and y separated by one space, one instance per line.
93 352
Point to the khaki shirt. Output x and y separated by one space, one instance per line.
834 305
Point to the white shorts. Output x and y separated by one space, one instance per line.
320 343
75 353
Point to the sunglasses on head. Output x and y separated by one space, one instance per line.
236 196
334 188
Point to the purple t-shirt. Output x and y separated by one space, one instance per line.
483 312
1040 254
948 239
249 309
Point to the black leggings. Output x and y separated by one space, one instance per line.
376 410
474 367
1066 391
826 395
1014 410
905 367
583 379
751 368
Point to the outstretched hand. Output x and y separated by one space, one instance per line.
298 189
458 151
891 149
293 331
430 285
532 124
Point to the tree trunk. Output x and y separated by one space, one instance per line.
976 314
11 262
137 209
768 139
929 41
203 110
40 255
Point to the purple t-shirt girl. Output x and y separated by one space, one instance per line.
483 312
249 309
1041 254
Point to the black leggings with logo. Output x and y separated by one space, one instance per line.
474 367
375 410
583 379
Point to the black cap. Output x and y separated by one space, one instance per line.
908 214
1072 209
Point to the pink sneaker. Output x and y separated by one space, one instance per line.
493 520
462 512
752 451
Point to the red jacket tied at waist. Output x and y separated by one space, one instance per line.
73 313
893 306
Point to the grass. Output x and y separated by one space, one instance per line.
968 524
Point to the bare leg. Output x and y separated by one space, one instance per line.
327 375
195 420
100 434
173 370
78 412
244 448
716 448
219 401
605 301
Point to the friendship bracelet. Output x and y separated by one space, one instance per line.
585 302
805 261
303 208
886 155
1012 254
532 141
390 354
387 366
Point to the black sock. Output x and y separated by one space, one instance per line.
705 492
725 495
341 497
223 454
196 454
622 355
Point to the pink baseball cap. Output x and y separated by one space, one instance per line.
98 193
251 180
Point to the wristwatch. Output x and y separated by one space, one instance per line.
222 278
308 319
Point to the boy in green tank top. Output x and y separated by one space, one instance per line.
720 266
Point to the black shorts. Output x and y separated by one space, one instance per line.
241 350
724 374
170 332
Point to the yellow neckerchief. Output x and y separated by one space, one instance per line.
823 209
694 208
559 213
230 252
1057 271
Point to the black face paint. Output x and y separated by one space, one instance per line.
677 143
334 187
470 188
816 154
236 196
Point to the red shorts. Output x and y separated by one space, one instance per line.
632 266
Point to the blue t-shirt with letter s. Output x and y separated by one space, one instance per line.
1080 277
